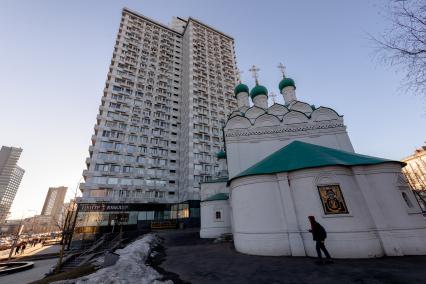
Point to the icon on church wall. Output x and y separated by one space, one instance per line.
332 199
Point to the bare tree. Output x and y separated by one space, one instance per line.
404 43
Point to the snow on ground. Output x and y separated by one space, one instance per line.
130 267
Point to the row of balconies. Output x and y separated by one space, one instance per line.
167 176
116 199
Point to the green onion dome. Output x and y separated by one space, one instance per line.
285 83
241 88
258 90
221 155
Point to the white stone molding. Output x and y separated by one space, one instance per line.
238 122
301 106
267 120
278 110
254 112
296 128
295 116
323 113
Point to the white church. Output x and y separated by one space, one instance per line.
284 163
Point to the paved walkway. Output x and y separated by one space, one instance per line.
40 268
190 259
36 250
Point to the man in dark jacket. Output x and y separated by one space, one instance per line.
319 235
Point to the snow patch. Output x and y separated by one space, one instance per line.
130 267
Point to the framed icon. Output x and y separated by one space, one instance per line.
332 199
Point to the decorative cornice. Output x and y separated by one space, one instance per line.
281 129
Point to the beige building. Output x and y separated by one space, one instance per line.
54 204
415 170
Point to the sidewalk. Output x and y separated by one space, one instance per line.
37 249
189 259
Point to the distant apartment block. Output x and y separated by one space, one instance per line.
10 178
54 203
168 92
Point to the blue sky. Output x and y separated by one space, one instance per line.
55 55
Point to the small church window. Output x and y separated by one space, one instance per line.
218 215
407 200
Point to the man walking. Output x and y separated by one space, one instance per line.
319 235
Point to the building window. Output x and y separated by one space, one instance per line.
407 200
218 215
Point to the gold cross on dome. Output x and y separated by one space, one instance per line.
273 96
254 70
239 72
282 69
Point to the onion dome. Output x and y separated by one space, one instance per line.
285 83
241 88
258 90
221 155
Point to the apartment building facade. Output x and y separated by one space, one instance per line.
168 92
10 178
54 203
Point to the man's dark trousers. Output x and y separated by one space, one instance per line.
321 247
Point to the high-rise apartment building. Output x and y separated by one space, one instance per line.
10 178
54 203
168 92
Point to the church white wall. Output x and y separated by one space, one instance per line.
259 226
400 225
212 227
261 101
289 94
243 100
212 188
243 152
349 235
379 221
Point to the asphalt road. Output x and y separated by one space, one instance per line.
189 259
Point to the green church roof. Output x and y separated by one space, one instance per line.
300 155
285 83
258 90
218 196
221 155
241 88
